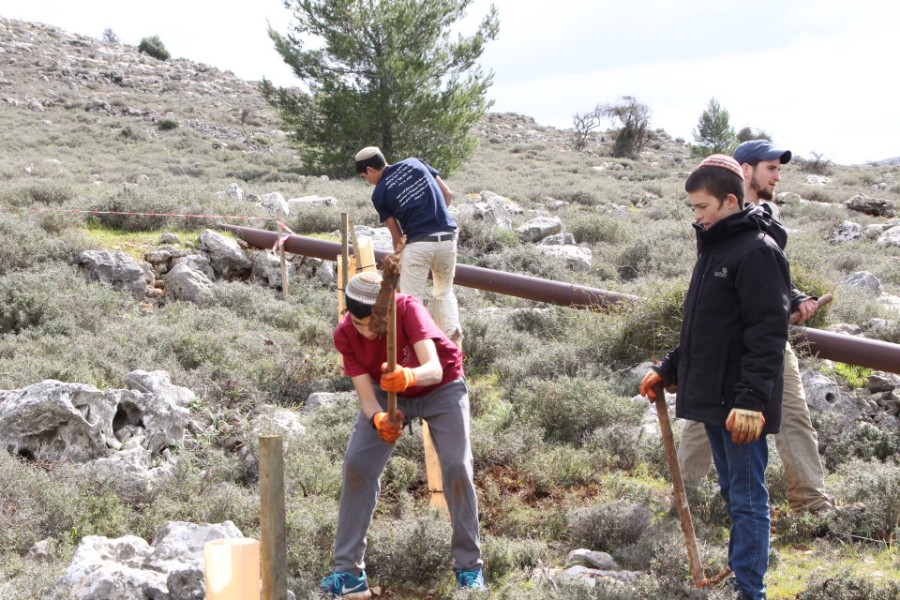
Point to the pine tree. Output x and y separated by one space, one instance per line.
385 73
714 134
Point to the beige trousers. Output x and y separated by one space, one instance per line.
797 445
440 259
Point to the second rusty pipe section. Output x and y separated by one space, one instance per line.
874 354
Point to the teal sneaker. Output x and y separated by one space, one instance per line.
345 585
470 580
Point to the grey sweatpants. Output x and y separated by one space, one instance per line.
446 410
797 445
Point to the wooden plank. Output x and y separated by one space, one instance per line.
433 470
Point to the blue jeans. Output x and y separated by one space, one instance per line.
742 481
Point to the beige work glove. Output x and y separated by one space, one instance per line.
745 425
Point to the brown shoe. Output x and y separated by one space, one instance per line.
830 507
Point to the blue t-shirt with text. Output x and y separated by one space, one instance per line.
409 192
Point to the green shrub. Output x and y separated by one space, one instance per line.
413 550
49 194
132 134
316 220
863 441
24 247
37 503
661 551
504 555
167 124
568 409
706 502
617 446
201 491
310 470
153 46
853 376
596 229
486 342
494 446
877 485
478 237
30 301
557 467
606 527
525 260
113 212
632 333
844 585
310 524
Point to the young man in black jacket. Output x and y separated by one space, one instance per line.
729 360
797 443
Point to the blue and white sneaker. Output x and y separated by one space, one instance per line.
345 585
470 580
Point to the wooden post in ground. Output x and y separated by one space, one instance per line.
284 271
273 550
343 263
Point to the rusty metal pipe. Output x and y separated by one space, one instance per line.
864 352
874 354
512 284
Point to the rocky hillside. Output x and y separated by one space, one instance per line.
47 70
143 352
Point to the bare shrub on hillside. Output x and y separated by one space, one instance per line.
585 123
109 36
817 164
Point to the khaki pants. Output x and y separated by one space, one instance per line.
797 445
440 258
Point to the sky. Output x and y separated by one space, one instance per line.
814 74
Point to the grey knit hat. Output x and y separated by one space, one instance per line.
364 287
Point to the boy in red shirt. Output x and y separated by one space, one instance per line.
429 384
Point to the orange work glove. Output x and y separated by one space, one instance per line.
650 380
397 380
745 425
389 431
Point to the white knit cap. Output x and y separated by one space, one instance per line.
364 287
368 152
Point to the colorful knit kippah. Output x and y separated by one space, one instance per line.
722 161
364 287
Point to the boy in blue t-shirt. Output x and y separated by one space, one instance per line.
412 200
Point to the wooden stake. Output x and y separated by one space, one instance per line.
345 254
284 271
273 551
